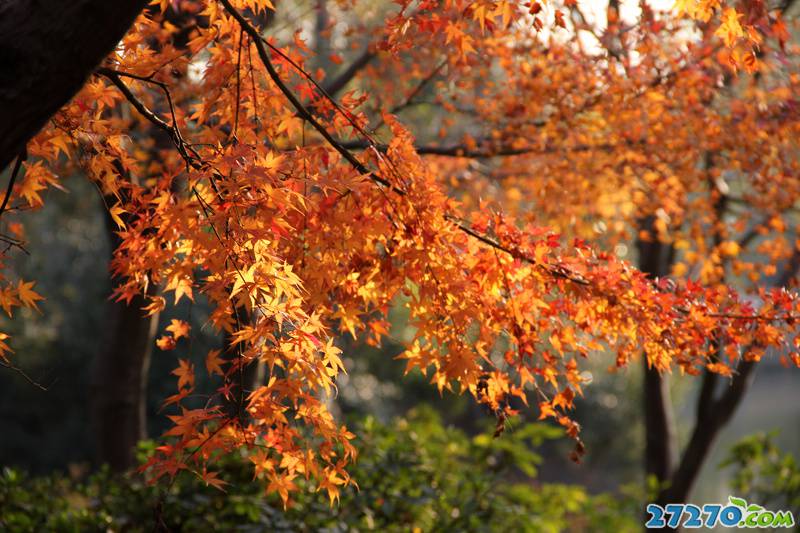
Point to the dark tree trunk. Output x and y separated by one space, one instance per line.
659 425
118 401
47 50
655 259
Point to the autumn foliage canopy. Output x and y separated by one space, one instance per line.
300 206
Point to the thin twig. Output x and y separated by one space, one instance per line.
302 111
20 158
22 373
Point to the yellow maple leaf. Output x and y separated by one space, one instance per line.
182 287
115 213
4 348
282 484
8 300
730 29
166 343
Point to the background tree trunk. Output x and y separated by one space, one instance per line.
655 259
118 403
47 50
121 371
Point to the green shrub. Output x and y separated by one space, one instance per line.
764 474
413 474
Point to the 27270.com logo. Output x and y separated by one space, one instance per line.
737 513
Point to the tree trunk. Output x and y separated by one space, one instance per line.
119 400
655 259
47 50
119 379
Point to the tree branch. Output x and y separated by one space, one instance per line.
340 81
187 152
460 150
20 158
48 48
22 373
301 110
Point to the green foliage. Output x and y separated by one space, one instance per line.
412 473
763 473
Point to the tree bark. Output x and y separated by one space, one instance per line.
655 259
119 385
47 50
118 403
712 417
120 373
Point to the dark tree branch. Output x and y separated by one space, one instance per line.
301 110
47 50
115 78
18 370
705 400
186 151
20 158
460 150
419 88
342 79
660 434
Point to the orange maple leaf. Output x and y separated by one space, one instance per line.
179 328
167 342
214 362
27 295
185 373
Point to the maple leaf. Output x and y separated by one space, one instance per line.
214 362
283 485
546 410
167 342
156 305
179 328
688 7
331 483
182 287
115 213
212 478
185 373
730 30
176 398
30 188
8 299
5 349
27 295
729 248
